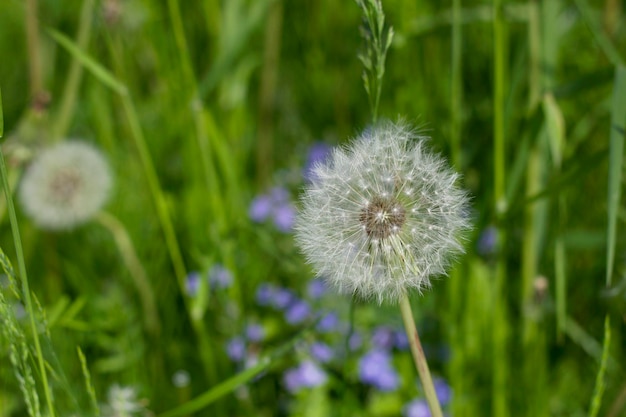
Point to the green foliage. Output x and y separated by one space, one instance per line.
202 106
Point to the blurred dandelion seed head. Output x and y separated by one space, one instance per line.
383 215
65 185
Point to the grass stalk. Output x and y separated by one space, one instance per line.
74 77
136 269
419 358
267 93
456 90
15 231
500 364
35 69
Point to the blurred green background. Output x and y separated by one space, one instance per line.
202 107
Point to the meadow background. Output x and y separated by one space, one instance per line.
189 286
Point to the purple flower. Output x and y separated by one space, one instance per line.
274 204
265 294
416 408
443 391
383 337
316 288
192 283
321 352
220 277
284 217
355 341
401 340
305 375
297 312
236 349
318 152
282 298
488 241
260 208
375 368
328 323
255 332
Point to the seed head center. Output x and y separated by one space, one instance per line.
382 217
64 185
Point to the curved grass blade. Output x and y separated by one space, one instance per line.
232 383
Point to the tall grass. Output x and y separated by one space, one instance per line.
201 107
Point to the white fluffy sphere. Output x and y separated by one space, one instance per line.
383 215
65 185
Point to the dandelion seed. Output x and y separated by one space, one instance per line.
65 185
383 215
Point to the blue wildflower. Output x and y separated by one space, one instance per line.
383 337
321 352
375 368
416 408
318 152
297 312
328 323
220 277
192 283
316 288
255 332
236 349
306 375
488 241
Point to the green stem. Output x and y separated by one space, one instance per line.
137 272
456 85
34 53
155 189
25 287
419 358
500 332
74 74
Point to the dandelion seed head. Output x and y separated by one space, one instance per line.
65 185
383 215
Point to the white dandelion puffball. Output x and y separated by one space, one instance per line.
65 185
382 215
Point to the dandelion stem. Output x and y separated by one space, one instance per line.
419 358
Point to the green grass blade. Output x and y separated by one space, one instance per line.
598 391
605 43
15 231
616 155
1 116
92 66
232 383
88 386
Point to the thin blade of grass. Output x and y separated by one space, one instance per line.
28 303
616 156
91 65
88 387
232 383
1 117
598 390
605 43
